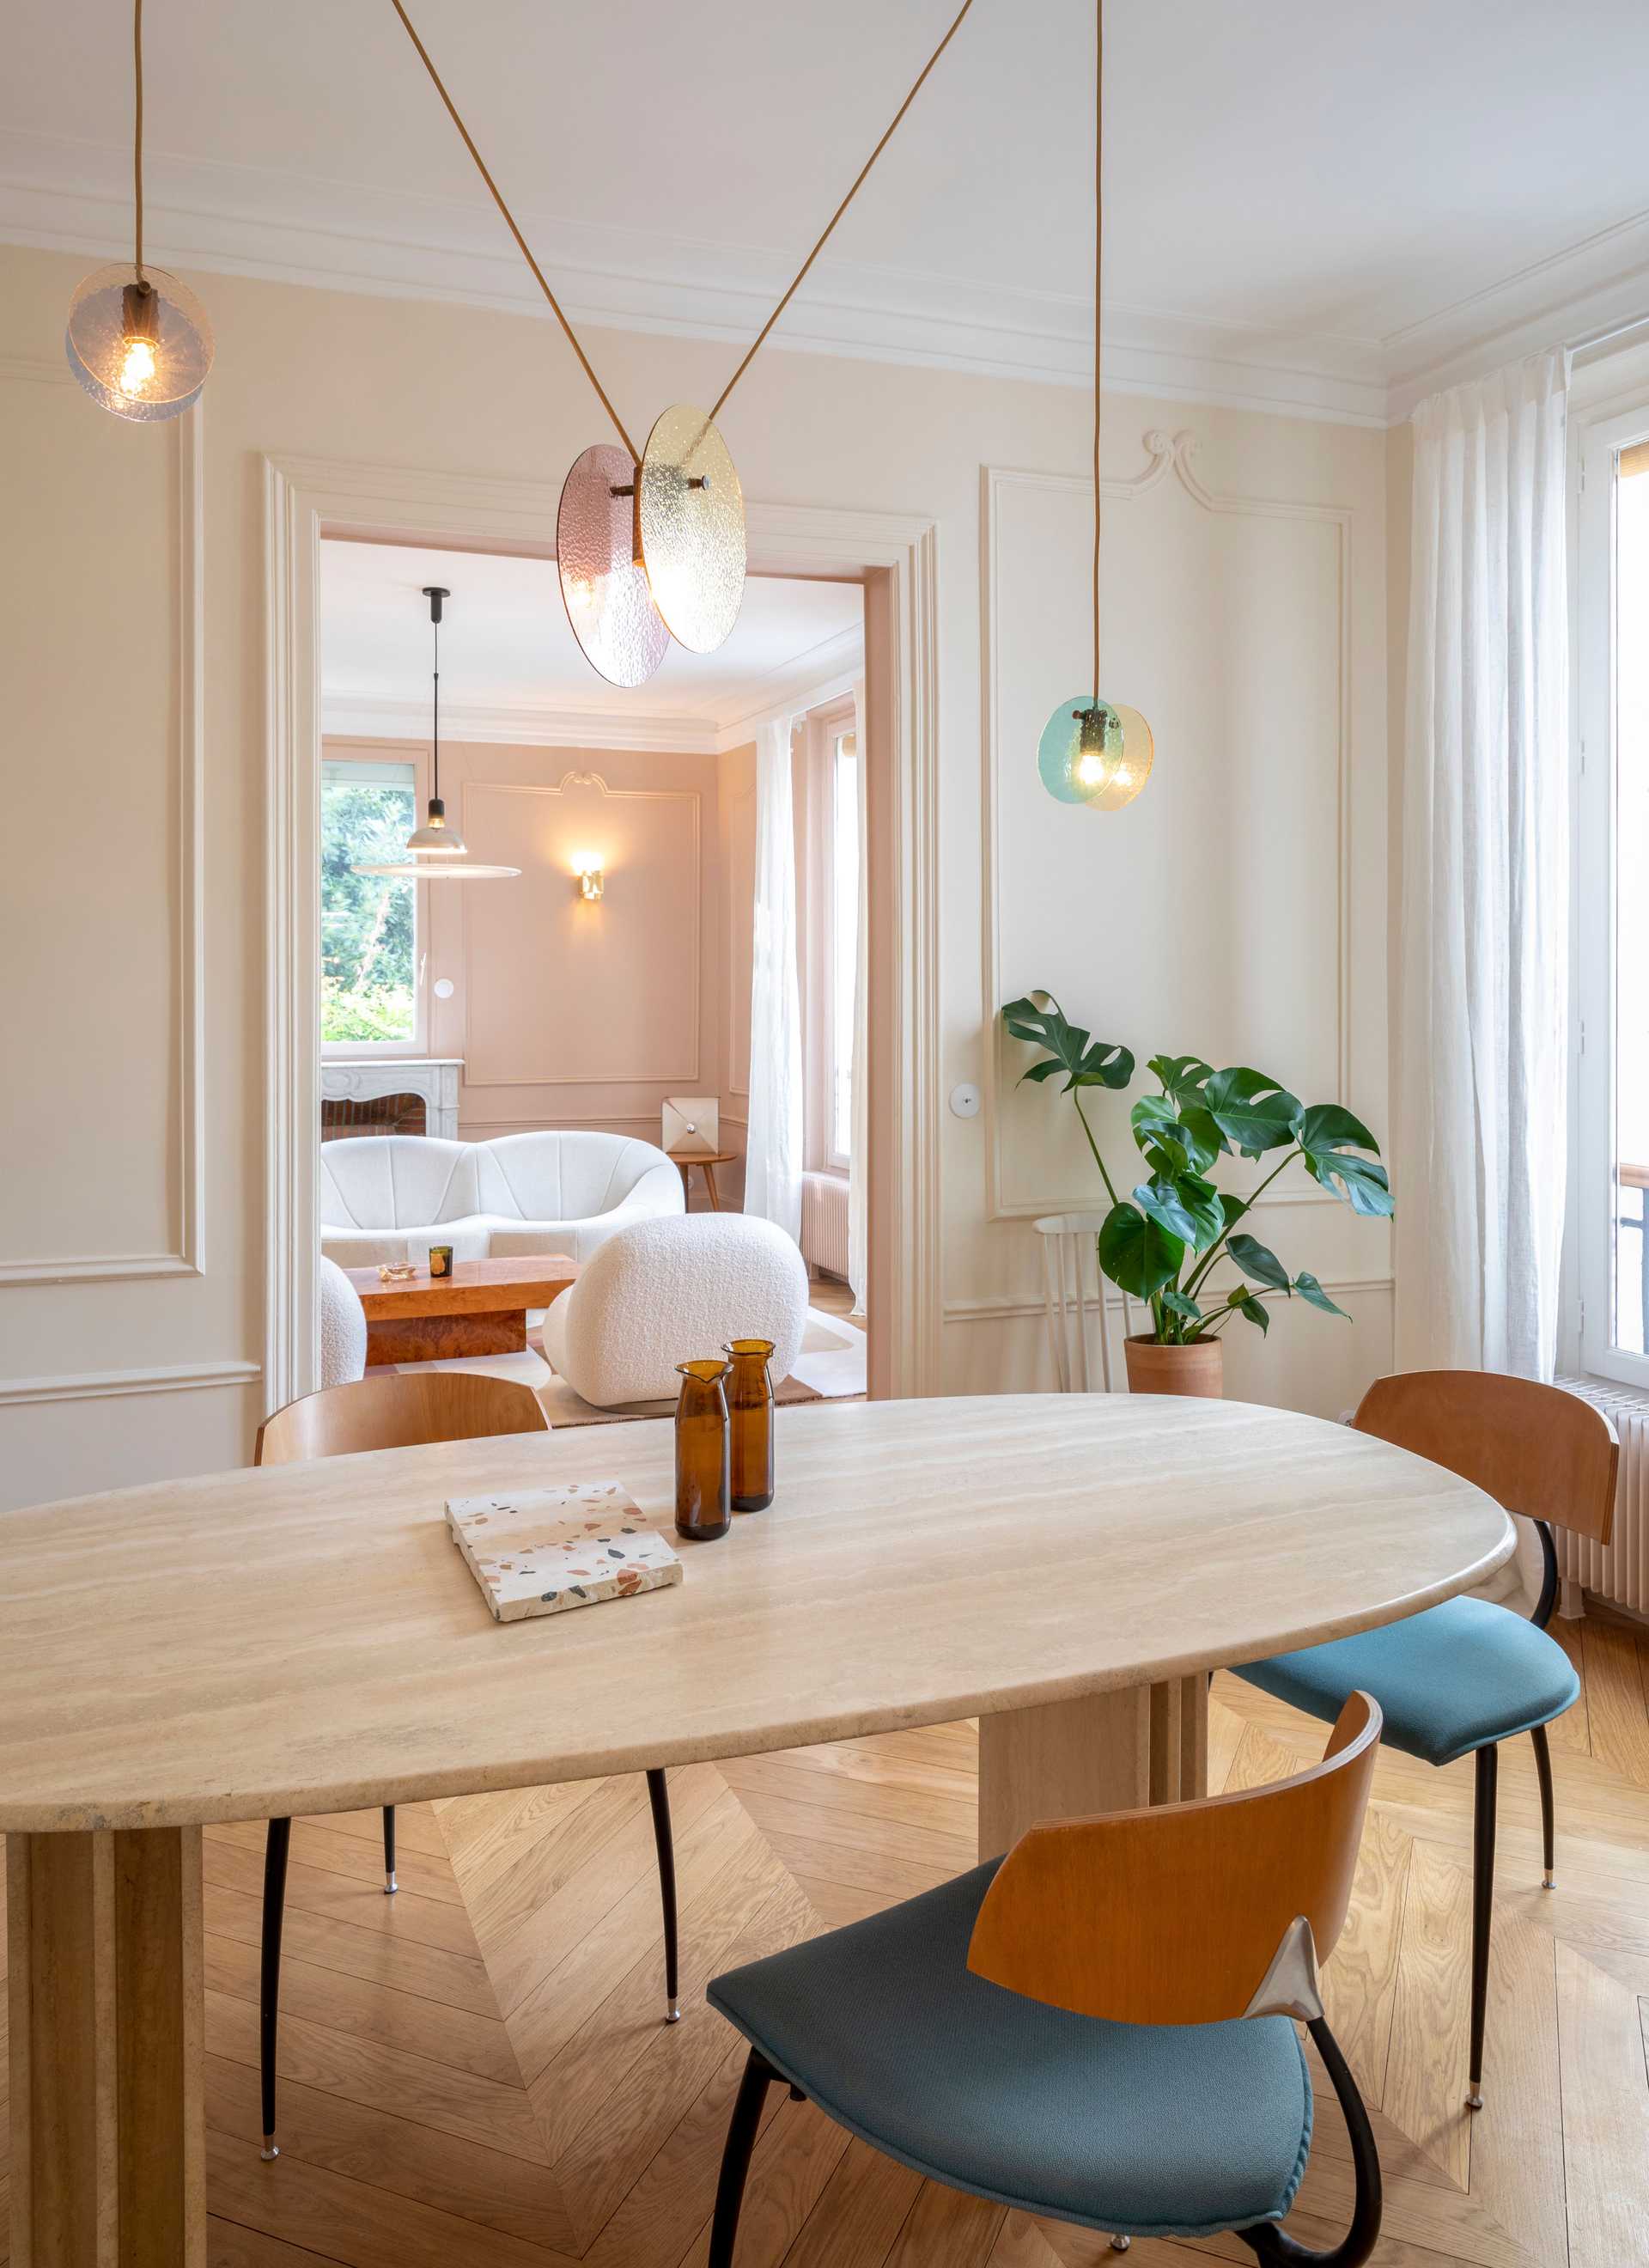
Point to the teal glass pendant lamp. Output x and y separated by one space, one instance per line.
1094 751
138 340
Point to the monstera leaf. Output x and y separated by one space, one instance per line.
1329 1138
1139 1254
1174 1142
1085 1062
1187 1206
1259 1261
1251 1110
1183 1078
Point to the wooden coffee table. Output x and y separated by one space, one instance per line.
479 1308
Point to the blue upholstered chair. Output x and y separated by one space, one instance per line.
1460 1678
1100 2027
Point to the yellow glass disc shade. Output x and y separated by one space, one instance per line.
692 529
142 355
1099 759
603 585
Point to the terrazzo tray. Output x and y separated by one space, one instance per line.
545 1551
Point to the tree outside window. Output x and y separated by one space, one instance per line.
369 942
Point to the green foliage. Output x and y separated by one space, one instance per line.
1160 1242
367 922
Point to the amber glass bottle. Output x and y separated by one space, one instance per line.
750 1418
703 1511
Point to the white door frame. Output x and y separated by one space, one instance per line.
895 555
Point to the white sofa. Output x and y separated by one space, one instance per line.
390 1196
666 1291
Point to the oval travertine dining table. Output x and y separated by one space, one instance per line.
306 1639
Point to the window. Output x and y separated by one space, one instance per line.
1612 900
844 939
371 993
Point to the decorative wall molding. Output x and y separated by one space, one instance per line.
1006 1307
59 193
897 555
109 1385
187 1255
1169 457
691 796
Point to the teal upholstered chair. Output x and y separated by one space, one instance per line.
1460 1678
1098 2027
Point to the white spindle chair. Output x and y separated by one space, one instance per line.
1069 1260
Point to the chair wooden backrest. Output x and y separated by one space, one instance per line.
1536 1449
1176 1915
400 1411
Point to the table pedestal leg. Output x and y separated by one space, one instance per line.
1103 1752
107 2022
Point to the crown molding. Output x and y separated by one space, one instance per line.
62 195
521 726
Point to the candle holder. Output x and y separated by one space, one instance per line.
750 1423
440 1259
702 1490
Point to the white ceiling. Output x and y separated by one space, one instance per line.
512 671
1320 206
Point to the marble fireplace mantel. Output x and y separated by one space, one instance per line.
361 1078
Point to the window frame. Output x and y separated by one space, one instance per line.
381 752
1593 1194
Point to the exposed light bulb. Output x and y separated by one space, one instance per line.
137 368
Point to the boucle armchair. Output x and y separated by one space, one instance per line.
666 1291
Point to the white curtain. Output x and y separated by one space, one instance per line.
773 1153
1482 1105
859 1152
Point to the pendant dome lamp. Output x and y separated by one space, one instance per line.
1094 751
436 851
138 340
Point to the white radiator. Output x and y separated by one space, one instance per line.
824 1222
1621 1574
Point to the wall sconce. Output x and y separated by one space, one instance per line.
590 878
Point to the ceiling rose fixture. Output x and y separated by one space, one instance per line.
138 340
651 544
1094 751
437 852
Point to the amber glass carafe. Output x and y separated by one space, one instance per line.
702 1479
750 1417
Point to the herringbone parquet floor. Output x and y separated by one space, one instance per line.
474 2075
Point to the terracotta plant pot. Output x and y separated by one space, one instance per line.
1198 1368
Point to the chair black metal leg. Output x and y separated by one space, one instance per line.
1482 1908
1548 1810
275 1846
658 1795
758 2075
1277 2250
390 1884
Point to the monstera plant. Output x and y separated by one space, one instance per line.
1164 1236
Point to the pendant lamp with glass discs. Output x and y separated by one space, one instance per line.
1094 751
437 853
137 339
650 542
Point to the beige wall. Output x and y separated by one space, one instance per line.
1245 615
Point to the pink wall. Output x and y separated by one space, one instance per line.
568 1013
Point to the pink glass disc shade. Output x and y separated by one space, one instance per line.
604 588
692 529
160 382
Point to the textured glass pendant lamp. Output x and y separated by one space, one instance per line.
1094 751
138 341
437 853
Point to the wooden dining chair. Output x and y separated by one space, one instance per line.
405 1410
1458 1679
1097 2028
